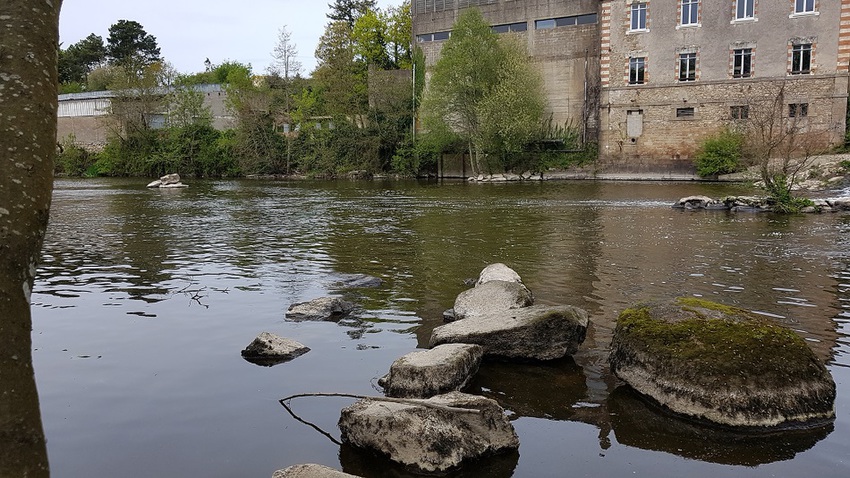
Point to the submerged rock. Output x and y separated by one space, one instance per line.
698 202
428 439
538 332
269 349
722 365
323 308
310 471
426 373
357 281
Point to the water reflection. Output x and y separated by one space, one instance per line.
360 462
638 424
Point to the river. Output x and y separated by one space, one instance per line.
145 298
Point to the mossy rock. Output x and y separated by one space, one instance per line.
721 364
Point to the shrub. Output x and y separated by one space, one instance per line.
720 154
73 159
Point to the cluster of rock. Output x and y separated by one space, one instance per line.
507 177
169 181
757 204
722 365
706 361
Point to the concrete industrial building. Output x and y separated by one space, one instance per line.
652 78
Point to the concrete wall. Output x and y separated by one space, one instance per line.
663 136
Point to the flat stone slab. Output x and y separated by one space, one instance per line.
310 471
269 349
721 365
490 297
429 440
539 332
323 308
425 373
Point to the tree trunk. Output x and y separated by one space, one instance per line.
28 101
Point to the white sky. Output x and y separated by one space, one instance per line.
190 31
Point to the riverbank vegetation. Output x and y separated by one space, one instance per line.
354 114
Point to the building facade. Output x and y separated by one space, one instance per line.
651 79
562 39
676 71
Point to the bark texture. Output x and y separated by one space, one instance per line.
29 32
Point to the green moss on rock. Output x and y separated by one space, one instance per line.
720 359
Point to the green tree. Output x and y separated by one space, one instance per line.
399 31
79 59
369 39
348 11
471 84
28 84
129 45
340 77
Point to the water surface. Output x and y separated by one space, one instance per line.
145 298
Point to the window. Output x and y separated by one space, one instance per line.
588 19
685 112
739 112
742 64
801 59
690 10
804 6
637 71
687 67
745 9
798 110
442 36
511 27
544 24
638 16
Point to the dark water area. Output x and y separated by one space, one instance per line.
145 298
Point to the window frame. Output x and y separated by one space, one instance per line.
802 54
745 10
739 112
802 7
637 70
693 13
688 60
642 9
686 113
746 60
798 110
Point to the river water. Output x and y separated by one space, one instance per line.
145 298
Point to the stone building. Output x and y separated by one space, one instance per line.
676 71
562 38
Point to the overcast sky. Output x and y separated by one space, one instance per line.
190 31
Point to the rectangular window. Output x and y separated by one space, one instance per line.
742 65
442 36
798 110
544 24
687 67
638 16
637 71
745 9
685 112
690 10
801 59
739 112
511 27
804 6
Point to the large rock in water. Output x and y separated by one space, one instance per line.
426 373
721 364
310 471
539 332
429 439
269 349
490 297
323 308
498 288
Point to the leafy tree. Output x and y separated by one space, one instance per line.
369 39
398 33
131 46
28 86
348 11
458 98
186 108
339 76
79 59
